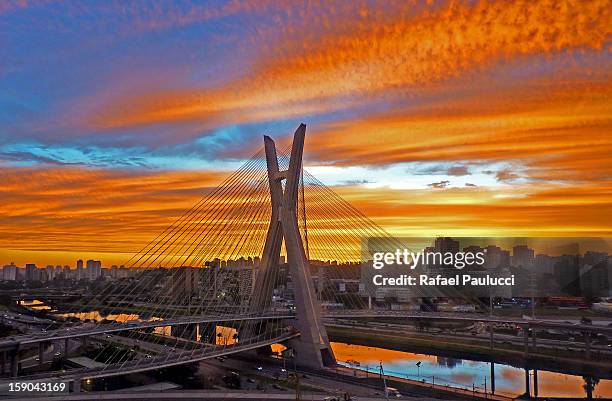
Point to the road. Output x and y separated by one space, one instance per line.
482 337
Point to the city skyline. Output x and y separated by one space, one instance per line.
467 119
518 250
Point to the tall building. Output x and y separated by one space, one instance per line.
50 272
523 256
9 272
593 258
446 244
31 272
184 283
94 269
80 274
544 264
232 284
496 258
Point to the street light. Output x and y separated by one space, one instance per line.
418 365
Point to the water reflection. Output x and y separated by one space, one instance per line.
96 316
462 373
35 305
223 335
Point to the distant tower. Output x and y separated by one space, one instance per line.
79 270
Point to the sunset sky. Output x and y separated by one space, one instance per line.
459 118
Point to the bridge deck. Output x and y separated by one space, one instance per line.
84 330
159 362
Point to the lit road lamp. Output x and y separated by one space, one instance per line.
418 365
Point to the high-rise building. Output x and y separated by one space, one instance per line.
232 284
523 256
496 258
184 283
446 244
91 266
9 272
50 270
544 264
31 272
593 258
80 274
94 270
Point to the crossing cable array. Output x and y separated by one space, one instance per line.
262 195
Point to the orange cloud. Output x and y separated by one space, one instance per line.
64 211
359 55
548 210
554 134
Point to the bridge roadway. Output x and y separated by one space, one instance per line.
160 362
472 318
86 330
93 329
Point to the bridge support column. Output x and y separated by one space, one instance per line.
587 345
175 331
66 347
14 360
2 362
492 377
527 384
535 383
41 352
526 338
84 341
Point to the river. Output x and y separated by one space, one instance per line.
462 373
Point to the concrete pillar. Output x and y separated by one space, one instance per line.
84 341
175 331
66 346
14 363
535 383
527 384
491 334
589 387
41 352
526 338
492 377
533 340
587 344
2 362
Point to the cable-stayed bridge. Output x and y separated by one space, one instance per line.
240 259
240 270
